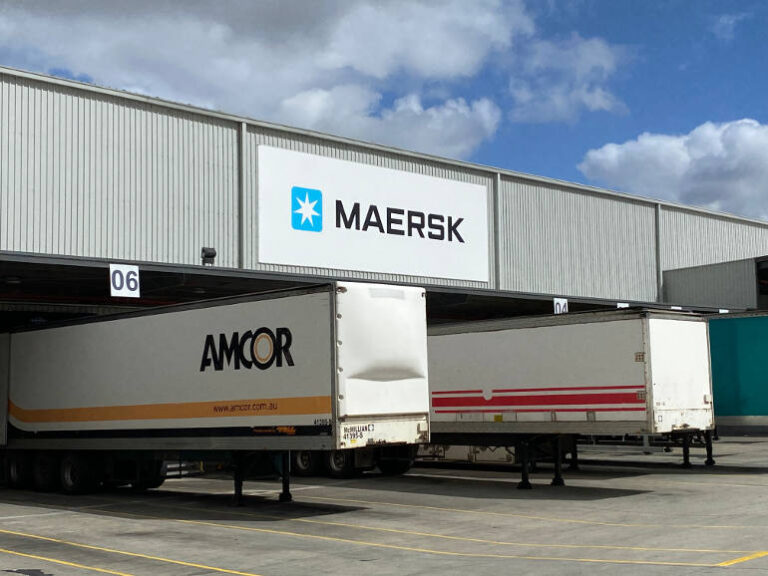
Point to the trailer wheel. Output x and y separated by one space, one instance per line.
45 472
396 460
341 463
304 462
19 467
78 475
394 467
151 475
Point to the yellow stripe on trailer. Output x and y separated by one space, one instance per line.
303 405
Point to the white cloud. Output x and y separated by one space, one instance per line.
391 71
461 125
723 167
427 40
453 128
323 108
558 80
724 26
318 65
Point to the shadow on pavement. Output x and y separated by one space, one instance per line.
422 482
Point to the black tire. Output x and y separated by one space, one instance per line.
396 460
394 467
340 463
77 474
151 475
46 475
19 470
304 462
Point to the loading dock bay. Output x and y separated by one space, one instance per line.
127 179
630 514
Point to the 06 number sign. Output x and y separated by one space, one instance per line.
124 281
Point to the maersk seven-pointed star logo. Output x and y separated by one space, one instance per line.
306 209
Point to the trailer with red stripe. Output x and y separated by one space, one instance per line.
614 373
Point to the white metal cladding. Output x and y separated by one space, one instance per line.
90 174
562 242
691 238
93 172
343 151
731 285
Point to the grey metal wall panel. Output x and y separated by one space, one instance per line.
87 174
562 242
694 239
88 171
731 285
342 151
5 367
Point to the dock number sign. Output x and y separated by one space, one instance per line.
124 281
561 305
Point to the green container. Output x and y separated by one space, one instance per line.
739 355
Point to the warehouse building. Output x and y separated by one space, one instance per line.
738 284
91 177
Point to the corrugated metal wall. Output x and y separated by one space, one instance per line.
730 285
555 241
5 367
85 174
693 239
341 151
97 173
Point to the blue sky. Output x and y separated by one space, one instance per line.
682 69
664 99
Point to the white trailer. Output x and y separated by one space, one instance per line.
624 372
330 368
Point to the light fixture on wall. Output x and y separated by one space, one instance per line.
208 256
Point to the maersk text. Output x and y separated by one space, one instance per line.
400 222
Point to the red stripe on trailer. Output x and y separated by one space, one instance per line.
457 392
521 390
553 389
621 409
539 400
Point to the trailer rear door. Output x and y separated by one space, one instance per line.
381 350
679 365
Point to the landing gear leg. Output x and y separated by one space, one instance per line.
686 450
239 476
557 449
574 465
525 483
285 495
708 444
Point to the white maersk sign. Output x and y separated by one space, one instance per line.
327 213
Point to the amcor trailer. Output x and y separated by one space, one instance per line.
243 381
518 381
739 346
